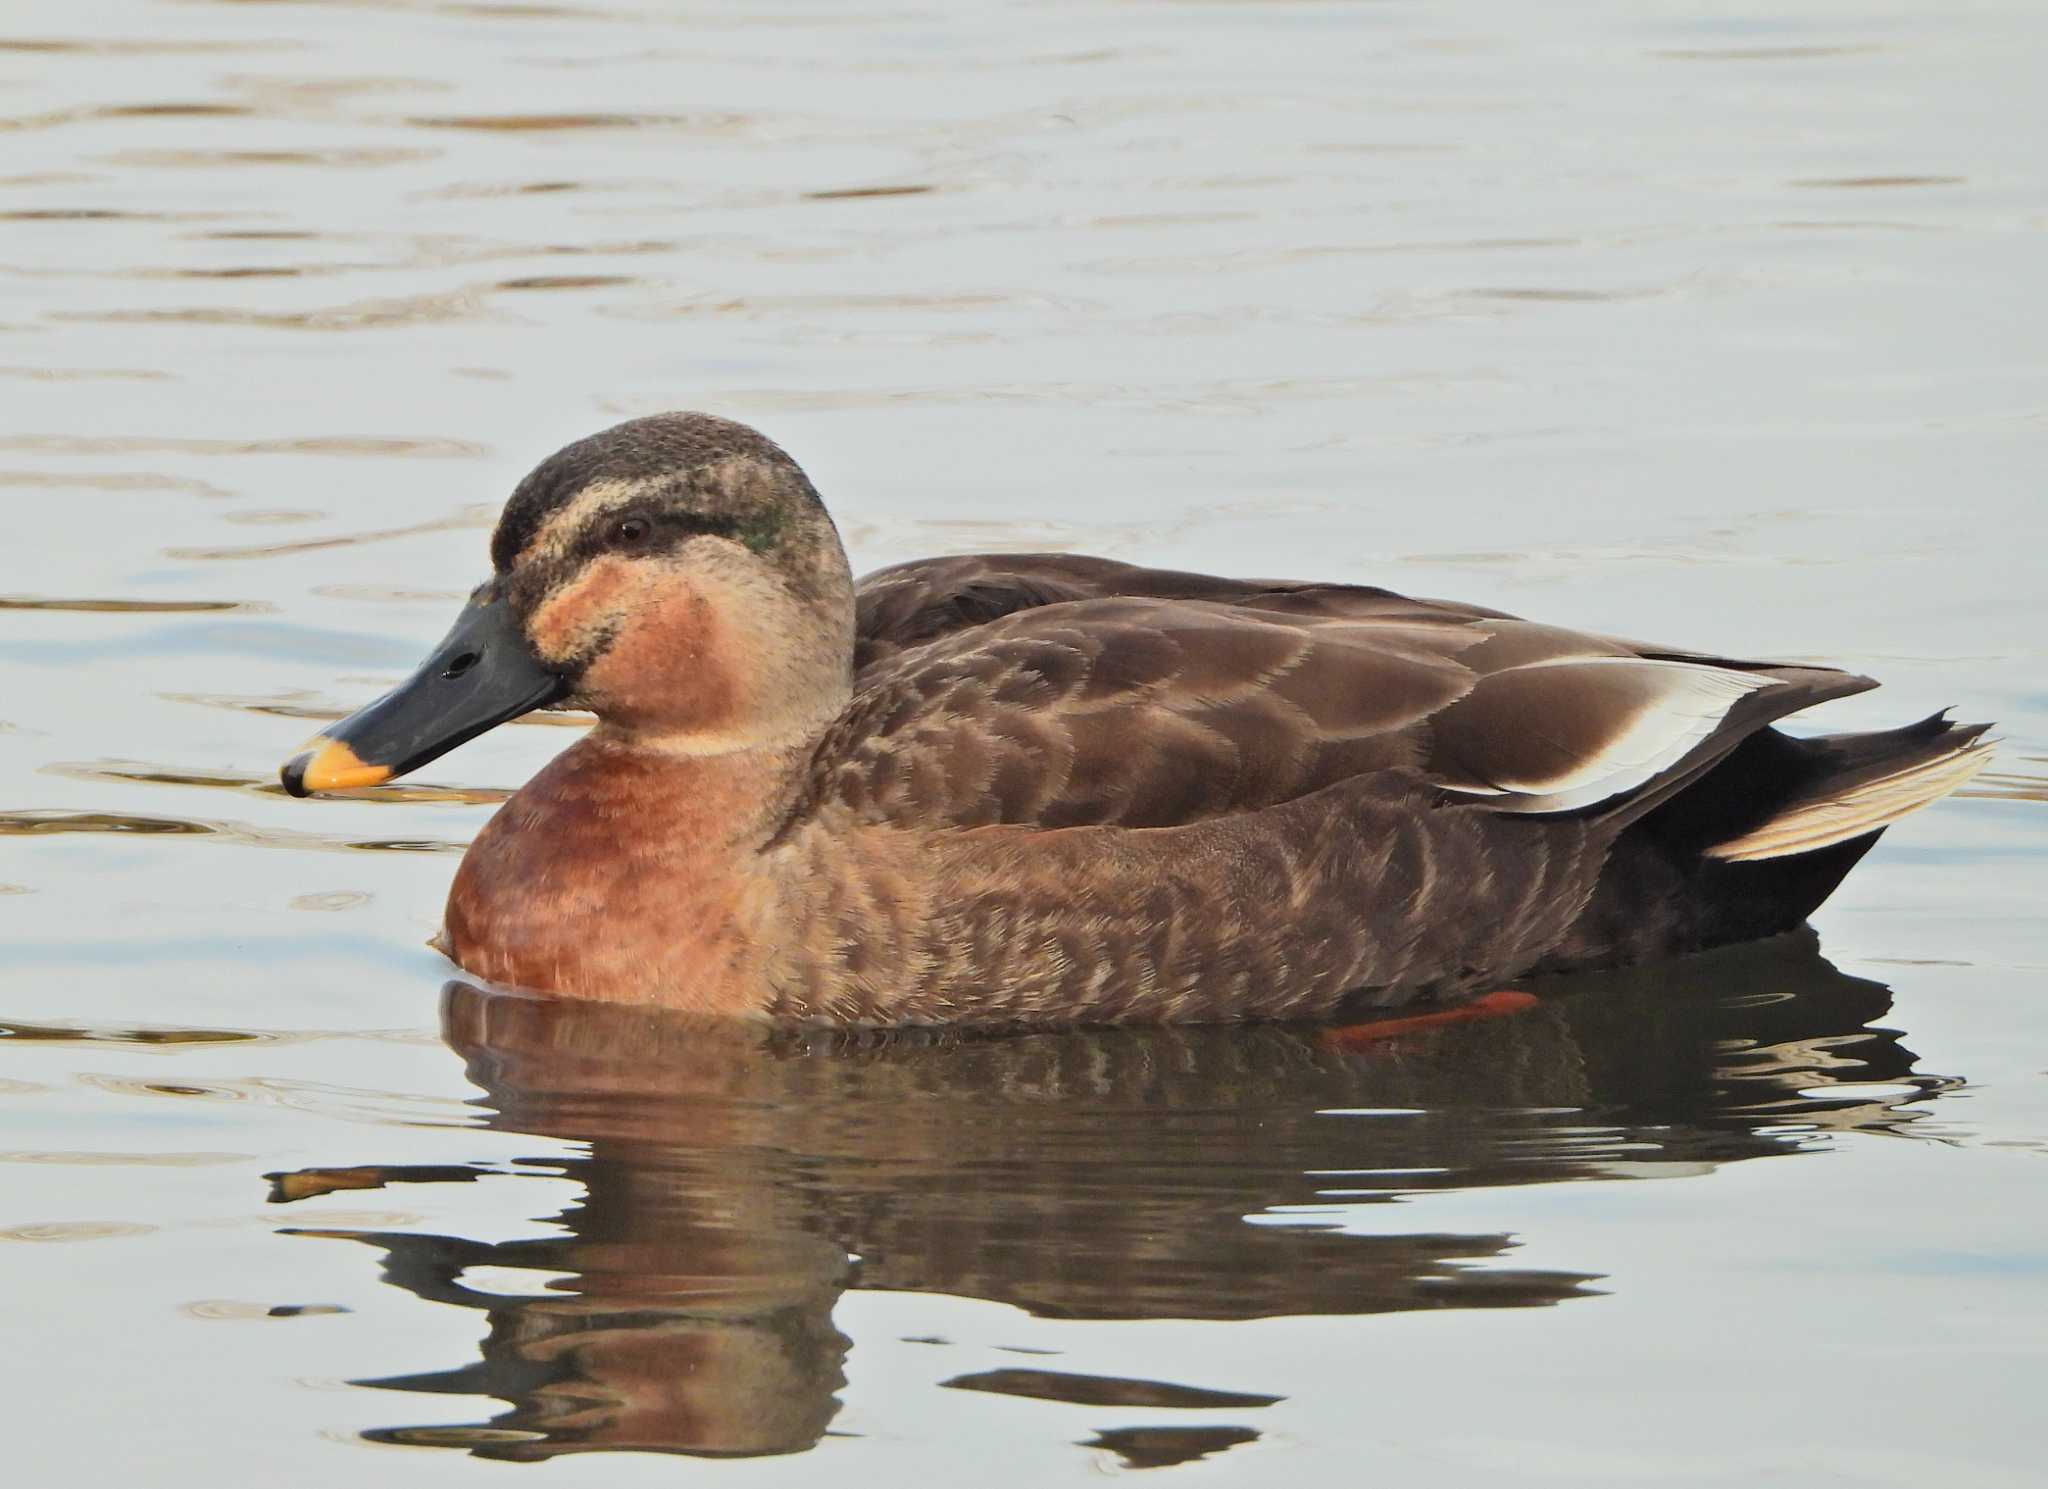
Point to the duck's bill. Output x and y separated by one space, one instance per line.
482 674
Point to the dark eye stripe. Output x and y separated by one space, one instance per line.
670 530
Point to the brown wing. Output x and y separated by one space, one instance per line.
1057 691
911 604
1139 712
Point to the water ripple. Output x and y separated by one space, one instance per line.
192 159
474 517
43 822
357 315
552 123
136 607
379 446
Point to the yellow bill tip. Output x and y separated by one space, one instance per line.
329 765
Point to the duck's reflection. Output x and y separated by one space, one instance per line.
736 1185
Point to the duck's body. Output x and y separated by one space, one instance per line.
1059 789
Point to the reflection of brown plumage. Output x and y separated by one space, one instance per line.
1054 789
1105 1175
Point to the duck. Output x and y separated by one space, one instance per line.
1053 789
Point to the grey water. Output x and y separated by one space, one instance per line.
1720 325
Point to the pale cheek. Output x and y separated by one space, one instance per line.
571 617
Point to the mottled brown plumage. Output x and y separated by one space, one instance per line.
1052 788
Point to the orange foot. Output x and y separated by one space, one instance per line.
1485 1006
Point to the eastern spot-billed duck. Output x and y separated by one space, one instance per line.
1055 789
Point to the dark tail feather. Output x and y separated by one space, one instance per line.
1746 900
1849 785
1753 846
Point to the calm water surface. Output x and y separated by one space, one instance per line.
1722 325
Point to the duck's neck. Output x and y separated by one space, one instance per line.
707 802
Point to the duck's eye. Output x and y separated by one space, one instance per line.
631 532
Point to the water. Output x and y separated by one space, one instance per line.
1708 324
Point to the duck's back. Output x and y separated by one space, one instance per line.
1060 691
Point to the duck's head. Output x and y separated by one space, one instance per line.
675 575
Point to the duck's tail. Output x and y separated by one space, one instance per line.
1754 846
1855 784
